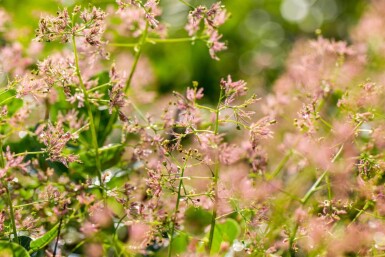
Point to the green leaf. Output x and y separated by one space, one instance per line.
109 156
8 249
196 219
180 243
44 240
227 232
8 99
217 240
230 230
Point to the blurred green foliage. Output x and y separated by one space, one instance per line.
258 34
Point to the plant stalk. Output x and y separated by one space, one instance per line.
176 211
89 111
12 215
8 196
215 180
139 47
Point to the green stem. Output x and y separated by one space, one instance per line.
98 87
292 239
327 124
109 147
2 160
8 195
281 165
176 211
160 41
137 56
139 111
368 203
194 195
29 204
89 111
215 181
227 214
313 189
118 224
205 107
236 123
28 153
138 46
12 214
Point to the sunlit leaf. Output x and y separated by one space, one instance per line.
9 249
44 240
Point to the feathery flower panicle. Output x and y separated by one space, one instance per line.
237 88
369 30
209 140
341 48
54 28
229 153
95 18
71 119
232 89
13 59
143 78
35 87
78 97
194 20
189 117
151 6
55 139
133 21
116 94
89 229
85 199
325 172
359 103
319 67
95 26
212 18
194 93
91 57
187 114
256 157
94 22
91 27
214 44
18 119
58 69
241 111
136 14
12 162
154 182
261 130
307 118
216 15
